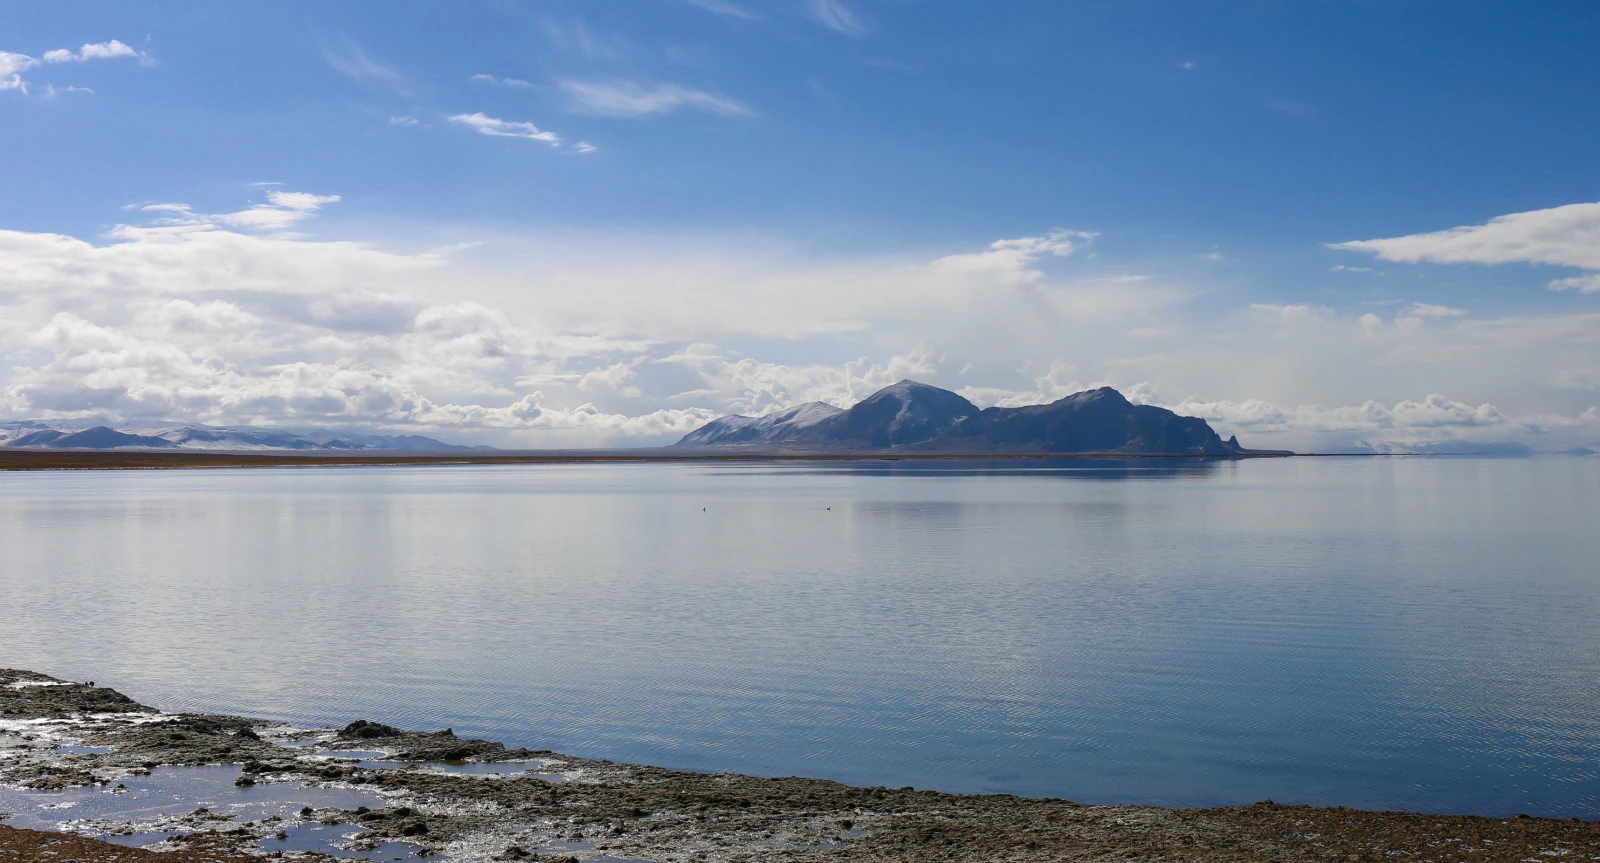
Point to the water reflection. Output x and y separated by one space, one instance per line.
1064 468
1390 633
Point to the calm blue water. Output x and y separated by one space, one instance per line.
1397 633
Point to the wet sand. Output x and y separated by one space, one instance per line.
551 806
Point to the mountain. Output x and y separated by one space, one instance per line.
910 416
101 437
69 434
905 414
779 427
1093 421
41 437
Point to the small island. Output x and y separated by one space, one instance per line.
911 417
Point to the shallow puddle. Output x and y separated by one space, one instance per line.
327 837
169 791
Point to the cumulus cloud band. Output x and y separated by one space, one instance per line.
12 64
231 318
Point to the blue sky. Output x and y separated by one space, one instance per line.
570 222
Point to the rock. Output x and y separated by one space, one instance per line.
361 729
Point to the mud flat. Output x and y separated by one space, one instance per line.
91 764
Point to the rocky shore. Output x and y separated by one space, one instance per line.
435 795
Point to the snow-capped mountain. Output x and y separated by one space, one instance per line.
772 428
98 434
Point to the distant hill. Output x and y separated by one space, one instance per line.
911 416
76 434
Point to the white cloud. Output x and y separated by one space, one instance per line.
503 82
574 339
1297 358
221 318
1341 268
836 16
282 210
403 121
486 125
1567 236
12 65
1589 284
1415 418
91 51
11 68
1427 310
616 98
1012 261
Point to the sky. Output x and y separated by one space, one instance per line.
554 223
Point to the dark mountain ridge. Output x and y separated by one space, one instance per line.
915 417
905 414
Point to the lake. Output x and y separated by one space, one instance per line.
1413 633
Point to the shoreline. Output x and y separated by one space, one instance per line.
26 460
434 794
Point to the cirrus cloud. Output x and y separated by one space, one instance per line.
619 98
836 16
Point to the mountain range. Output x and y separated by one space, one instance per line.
98 435
911 416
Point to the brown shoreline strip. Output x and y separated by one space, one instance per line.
37 846
148 460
